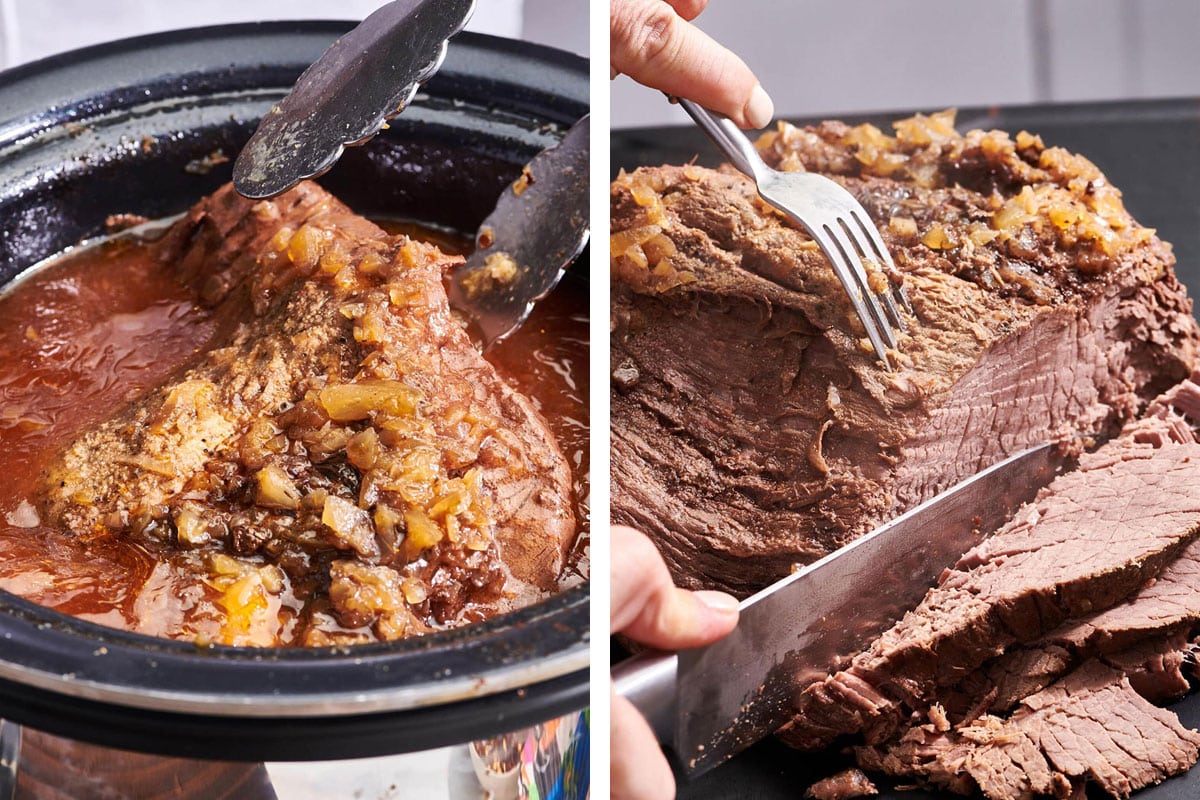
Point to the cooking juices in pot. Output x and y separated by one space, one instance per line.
84 335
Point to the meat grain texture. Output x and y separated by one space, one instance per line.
753 430
340 461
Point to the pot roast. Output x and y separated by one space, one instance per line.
753 430
340 461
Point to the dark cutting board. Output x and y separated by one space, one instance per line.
1148 149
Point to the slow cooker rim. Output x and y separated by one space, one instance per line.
71 651
28 69
12 78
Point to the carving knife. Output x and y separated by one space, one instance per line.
710 703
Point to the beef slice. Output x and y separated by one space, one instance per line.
1089 727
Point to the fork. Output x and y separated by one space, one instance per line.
836 221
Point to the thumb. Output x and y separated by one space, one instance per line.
677 619
649 608
656 47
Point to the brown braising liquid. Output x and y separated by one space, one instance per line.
83 335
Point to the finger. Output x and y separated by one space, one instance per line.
688 9
647 606
638 770
655 46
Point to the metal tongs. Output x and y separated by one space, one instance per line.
836 221
539 226
369 76
364 79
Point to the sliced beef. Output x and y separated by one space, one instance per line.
1169 602
1000 684
987 757
1092 538
1155 668
752 430
1089 727
1146 635
982 733
1159 615
340 441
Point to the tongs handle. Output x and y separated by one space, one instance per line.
728 137
648 681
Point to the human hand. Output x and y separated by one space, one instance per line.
654 42
648 608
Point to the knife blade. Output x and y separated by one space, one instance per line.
710 703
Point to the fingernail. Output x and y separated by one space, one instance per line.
761 109
719 602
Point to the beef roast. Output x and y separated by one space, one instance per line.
845 785
340 441
752 429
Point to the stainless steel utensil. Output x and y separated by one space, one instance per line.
539 227
837 222
710 703
10 757
370 75
365 78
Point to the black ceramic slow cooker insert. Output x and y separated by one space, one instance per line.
112 129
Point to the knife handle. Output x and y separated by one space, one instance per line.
648 681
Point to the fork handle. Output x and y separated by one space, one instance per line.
728 137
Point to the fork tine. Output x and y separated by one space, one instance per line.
889 305
832 249
870 247
840 232
872 234
867 246
885 259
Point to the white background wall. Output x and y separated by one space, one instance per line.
840 56
32 29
